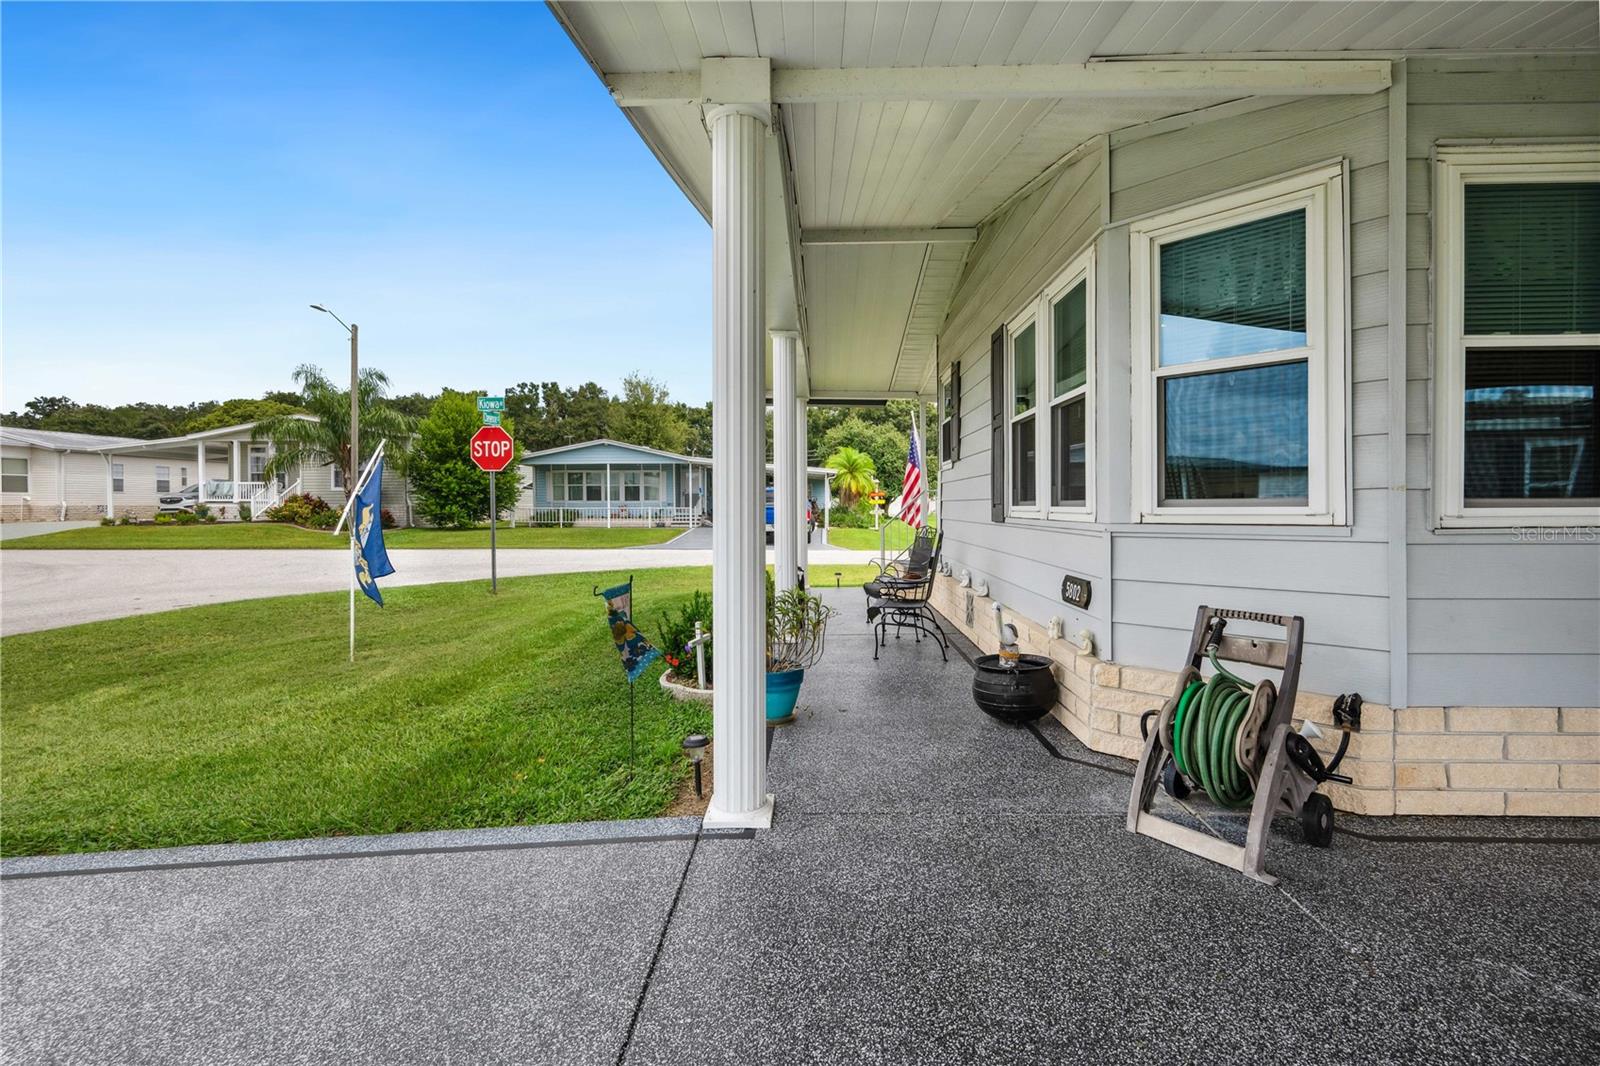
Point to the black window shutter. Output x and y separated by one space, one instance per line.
954 451
997 426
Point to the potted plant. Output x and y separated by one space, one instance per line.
797 624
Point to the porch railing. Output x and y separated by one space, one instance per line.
617 515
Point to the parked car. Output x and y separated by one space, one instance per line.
185 498
811 517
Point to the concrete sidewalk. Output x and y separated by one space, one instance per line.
937 888
47 589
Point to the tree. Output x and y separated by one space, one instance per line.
451 491
885 445
324 439
643 416
237 413
852 474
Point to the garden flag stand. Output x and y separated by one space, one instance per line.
369 560
637 653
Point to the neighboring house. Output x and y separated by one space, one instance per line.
607 482
1301 316
53 476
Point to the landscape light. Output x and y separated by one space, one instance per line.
694 746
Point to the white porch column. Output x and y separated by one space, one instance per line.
802 483
922 455
200 471
111 500
785 525
233 469
608 497
738 550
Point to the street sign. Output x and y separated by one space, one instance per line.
492 449
491 403
491 418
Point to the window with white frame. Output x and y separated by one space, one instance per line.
14 474
950 415
258 464
183 477
117 479
1051 367
635 485
338 477
1517 276
1239 356
577 486
163 479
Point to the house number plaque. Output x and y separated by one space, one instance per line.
1075 590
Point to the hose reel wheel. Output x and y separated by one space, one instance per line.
1251 747
1188 676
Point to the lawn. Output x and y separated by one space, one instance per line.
244 721
897 535
276 535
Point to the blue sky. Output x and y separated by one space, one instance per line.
181 180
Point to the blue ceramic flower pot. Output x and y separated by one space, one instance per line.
783 689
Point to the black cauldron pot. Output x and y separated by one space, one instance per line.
1015 694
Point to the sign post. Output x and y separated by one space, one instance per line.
491 450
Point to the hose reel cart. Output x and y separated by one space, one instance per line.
1231 739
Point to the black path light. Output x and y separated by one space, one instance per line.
694 746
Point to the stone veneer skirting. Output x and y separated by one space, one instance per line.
1418 760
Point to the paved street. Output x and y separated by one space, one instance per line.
47 589
936 888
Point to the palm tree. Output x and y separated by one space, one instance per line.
324 439
853 474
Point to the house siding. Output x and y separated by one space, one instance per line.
1497 637
1492 619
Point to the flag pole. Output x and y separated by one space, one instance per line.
354 547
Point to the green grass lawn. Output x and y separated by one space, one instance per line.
275 535
244 721
898 535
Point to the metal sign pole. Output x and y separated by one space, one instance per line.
494 577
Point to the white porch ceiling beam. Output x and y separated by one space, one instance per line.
1185 77
889 235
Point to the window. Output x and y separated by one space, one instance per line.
117 482
183 477
14 475
950 415
1051 378
577 486
163 479
1239 356
1516 250
338 477
258 464
635 485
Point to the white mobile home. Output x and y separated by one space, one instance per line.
52 476
1284 307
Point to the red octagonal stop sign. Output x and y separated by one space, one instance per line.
492 449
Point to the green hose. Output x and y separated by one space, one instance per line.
1205 730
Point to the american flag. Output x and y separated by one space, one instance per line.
912 489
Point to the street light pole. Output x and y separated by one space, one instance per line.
353 471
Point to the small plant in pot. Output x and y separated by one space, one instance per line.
797 626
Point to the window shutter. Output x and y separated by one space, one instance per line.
997 426
955 411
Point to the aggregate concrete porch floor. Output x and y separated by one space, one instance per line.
936 888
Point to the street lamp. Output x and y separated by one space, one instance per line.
355 408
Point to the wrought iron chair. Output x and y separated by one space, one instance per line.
900 595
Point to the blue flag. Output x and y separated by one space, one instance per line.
372 561
637 653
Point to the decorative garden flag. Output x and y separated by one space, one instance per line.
637 653
366 525
913 488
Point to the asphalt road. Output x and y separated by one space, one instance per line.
49 589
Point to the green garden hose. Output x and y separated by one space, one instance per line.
1205 730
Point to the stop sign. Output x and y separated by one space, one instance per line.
492 449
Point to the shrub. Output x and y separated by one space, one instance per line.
450 491
201 510
387 518
323 519
300 509
209 519
126 519
108 521
187 518
858 517
245 512
161 520
677 630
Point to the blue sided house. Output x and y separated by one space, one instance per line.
609 483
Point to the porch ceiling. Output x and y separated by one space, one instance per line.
870 312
